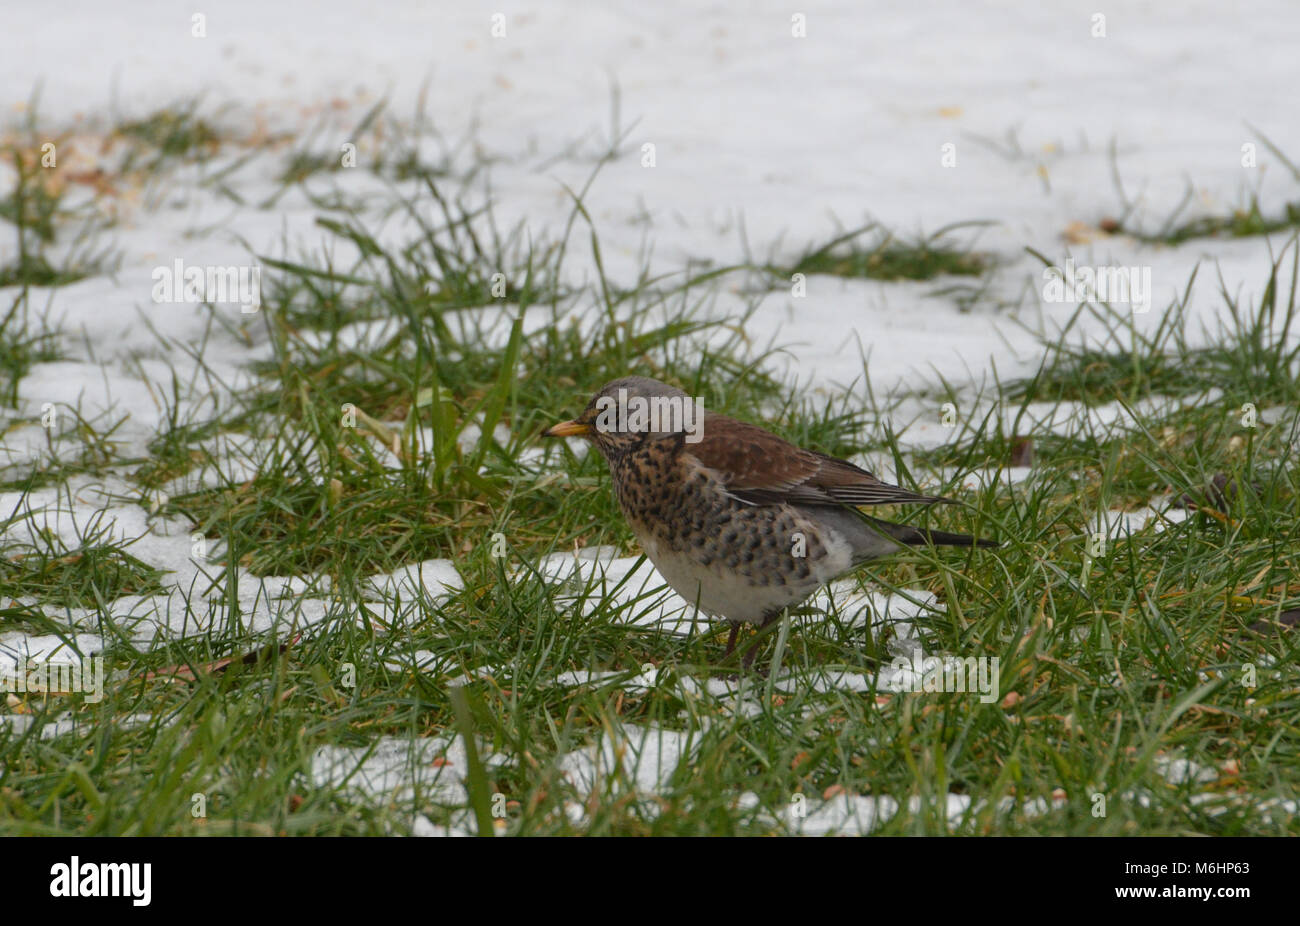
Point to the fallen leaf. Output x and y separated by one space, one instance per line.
185 672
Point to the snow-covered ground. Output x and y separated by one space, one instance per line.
787 138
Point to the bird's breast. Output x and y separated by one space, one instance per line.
737 561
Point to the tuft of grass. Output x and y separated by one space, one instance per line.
1253 356
35 270
1241 223
35 209
32 206
887 257
22 343
171 134
446 268
305 161
94 571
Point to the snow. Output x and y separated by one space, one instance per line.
17 647
394 767
434 578
753 128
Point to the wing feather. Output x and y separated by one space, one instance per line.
759 468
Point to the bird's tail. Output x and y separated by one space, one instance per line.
919 537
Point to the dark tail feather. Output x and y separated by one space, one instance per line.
946 539
919 537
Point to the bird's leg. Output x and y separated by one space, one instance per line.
731 640
753 647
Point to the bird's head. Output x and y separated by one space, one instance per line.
629 411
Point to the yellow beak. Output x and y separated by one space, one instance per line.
568 429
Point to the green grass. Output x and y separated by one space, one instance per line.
1241 223
80 577
22 343
173 133
36 210
1248 360
887 257
1110 665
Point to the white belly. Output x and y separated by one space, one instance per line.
726 593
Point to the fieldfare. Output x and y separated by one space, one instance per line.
739 522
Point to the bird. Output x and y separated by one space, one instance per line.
738 521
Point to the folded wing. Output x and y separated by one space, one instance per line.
759 468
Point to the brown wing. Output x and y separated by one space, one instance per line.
760 468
